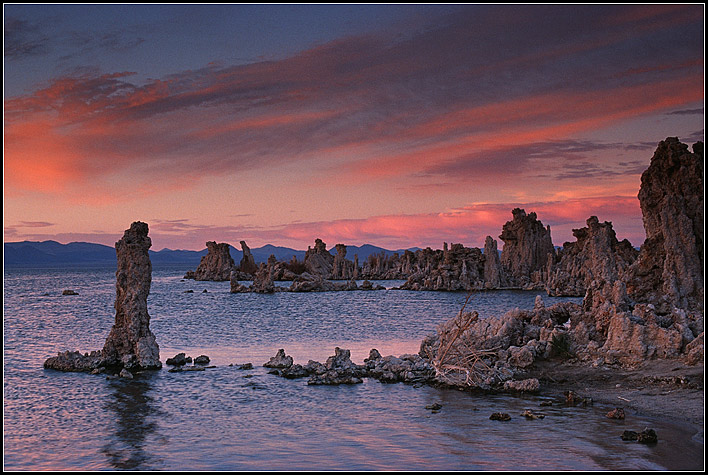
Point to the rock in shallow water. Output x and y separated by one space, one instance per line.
280 360
130 342
500 416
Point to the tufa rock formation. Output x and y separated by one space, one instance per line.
318 261
597 255
527 245
669 270
248 263
216 265
632 311
130 343
130 340
494 277
342 268
454 268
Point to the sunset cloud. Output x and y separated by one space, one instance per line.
508 98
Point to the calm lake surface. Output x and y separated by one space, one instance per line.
230 419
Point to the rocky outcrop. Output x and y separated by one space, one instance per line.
637 306
216 265
527 246
494 277
383 266
280 360
669 270
454 268
130 343
248 263
342 268
596 255
318 261
263 280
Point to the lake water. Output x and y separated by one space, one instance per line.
230 419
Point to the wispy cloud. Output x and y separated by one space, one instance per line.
427 103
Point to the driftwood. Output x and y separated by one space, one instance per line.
456 360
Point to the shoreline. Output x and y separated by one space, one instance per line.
662 389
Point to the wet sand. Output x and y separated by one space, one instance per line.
665 389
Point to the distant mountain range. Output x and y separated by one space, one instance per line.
85 254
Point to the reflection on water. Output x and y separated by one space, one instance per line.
135 420
230 419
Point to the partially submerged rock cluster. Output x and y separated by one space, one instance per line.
339 368
264 282
130 344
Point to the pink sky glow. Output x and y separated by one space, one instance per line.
428 130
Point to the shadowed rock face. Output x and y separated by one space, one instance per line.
669 270
597 255
342 268
494 277
318 261
130 342
248 263
527 244
216 265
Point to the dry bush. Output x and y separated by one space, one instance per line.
457 361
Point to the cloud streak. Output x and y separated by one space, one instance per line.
468 225
427 103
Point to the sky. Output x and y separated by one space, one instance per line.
394 125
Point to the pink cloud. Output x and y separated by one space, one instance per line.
392 107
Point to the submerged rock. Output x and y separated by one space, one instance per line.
339 369
528 414
500 416
647 436
201 360
75 361
616 413
531 385
178 360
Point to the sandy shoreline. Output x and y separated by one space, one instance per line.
665 389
